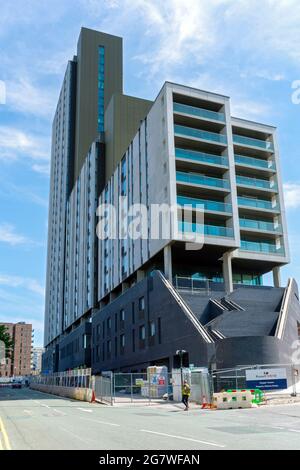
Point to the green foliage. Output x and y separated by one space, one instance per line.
7 340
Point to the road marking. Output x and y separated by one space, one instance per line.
101 422
85 410
5 436
28 412
59 412
75 435
183 438
294 430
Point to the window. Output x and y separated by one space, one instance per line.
122 315
122 341
116 322
116 346
142 303
142 333
108 348
108 323
298 327
152 328
133 340
133 313
159 330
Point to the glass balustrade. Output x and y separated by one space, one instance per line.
257 183
199 112
261 247
211 230
255 162
201 157
200 134
193 178
256 203
208 205
249 141
260 225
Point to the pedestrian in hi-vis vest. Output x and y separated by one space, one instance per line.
186 391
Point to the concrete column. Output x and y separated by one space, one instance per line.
168 263
276 276
227 272
140 275
125 286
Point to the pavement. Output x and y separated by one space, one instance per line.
38 421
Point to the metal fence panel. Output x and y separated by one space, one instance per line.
103 389
236 378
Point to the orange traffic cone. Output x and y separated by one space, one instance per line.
93 400
204 403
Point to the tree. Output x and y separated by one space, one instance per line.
6 338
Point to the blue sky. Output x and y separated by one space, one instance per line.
249 50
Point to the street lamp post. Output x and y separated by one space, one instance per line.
180 353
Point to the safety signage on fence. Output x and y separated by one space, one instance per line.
266 379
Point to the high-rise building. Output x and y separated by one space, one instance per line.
20 362
36 361
131 296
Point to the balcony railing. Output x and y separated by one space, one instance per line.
256 162
210 230
199 112
256 203
201 157
261 247
260 225
200 134
249 141
193 178
215 206
257 183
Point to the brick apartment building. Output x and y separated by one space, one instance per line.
20 363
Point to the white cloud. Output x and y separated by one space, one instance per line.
29 284
18 145
9 235
292 195
23 96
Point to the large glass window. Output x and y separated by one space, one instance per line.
101 65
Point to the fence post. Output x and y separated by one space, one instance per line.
294 394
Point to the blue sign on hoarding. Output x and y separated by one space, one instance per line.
266 379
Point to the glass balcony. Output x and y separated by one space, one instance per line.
199 134
199 112
257 183
201 157
261 247
263 144
210 230
194 178
256 162
256 203
208 205
260 225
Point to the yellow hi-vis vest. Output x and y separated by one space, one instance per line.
186 390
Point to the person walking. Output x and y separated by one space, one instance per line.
186 391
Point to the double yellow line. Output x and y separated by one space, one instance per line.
4 441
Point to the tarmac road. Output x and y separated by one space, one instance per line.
34 420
